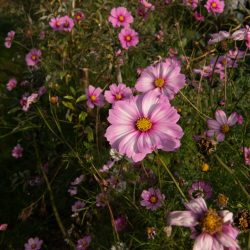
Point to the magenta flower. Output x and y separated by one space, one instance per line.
142 124
221 125
67 23
164 76
191 3
211 230
11 84
3 227
101 200
120 223
246 152
152 198
56 23
120 16
215 6
198 16
94 97
33 244
17 151
147 5
26 101
200 189
218 37
240 119
79 16
128 38
33 57
83 243
117 93
206 71
78 206
9 39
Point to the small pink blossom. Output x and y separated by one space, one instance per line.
9 39
117 93
198 16
72 190
236 54
33 57
239 119
128 38
79 16
26 101
240 34
78 180
210 229
78 206
67 23
152 198
55 23
206 71
147 4
120 16
3 227
218 37
215 6
191 3
106 167
83 243
246 152
221 125
94 97
120 223
17 151
33 244
11 84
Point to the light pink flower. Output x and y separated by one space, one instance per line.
191 3
79 16
84 243
78 206
240 34
236 54
142 124
78 180
17 151
215 6
72 190
152 198
117 93
67 23
206 71
9 39
56 23
33 244
33 57
239 119
246 152
120 16
128 38
211 230
3 227
120 223
198 16
106 167
11 84
164 76
221 125
94 97
26 101
218 37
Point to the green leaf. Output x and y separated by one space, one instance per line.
90 134
68 105
81 98
82 116
68 97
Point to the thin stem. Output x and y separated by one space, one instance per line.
172 177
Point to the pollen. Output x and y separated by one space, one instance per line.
128 38
153 199
121 18
224 128
92 98
33 57
214 4
159 82
143 124
118 96
204 167
211 222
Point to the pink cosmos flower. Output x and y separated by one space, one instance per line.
236 54
221 125
211 230
79 16
83 243
78 180
239 119
164 76
152 198
215 6
56 23
101 200
17 151
9 39
240 34
11 84
120 16
120 223
94 97
3 227
246 152
147 4
128 38
33 57
26 101
33 244
67 23
218 37
72 191
198 16
200 189
191 3
78 206
117 93
142 124
206 71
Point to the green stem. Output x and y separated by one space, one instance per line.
172 177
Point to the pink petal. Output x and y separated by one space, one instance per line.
220 137
221 117
217 245
182 218
213 124
203 242
232 119
226 240
227 216
198 206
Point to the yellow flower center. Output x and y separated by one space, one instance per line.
153 199
33 246
66 24
128 38
143 124
222 200
214 4
121 18
224 128
92 98
204 167
78 16
33 57
58 24
159 82
211 222
118 96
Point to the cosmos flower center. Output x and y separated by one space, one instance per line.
33 246
211 222
224 128
84 243
153 199
66 24
121 18
78 16
118 96
143 124
214 4
128 38
33 57
58 24
159 82
92 98
224 62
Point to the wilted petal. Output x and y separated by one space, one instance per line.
203 242
182 218
198 206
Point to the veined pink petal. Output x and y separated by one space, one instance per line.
220 137
217 245
197 206
232 119
226 240
213 124
221 117
227 216
182 218
203 242
230 230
